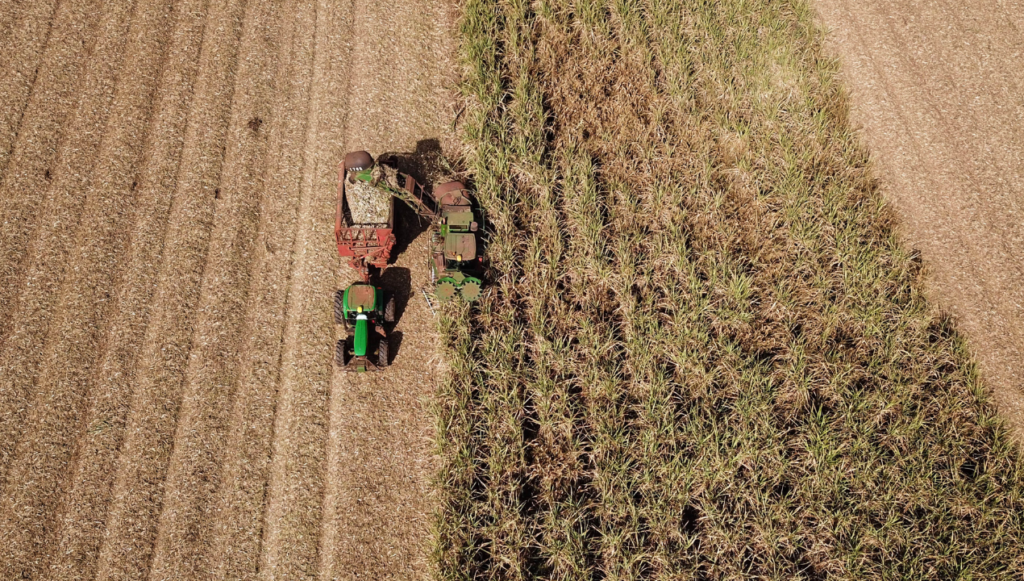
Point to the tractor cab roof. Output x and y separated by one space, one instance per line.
361 295
459 246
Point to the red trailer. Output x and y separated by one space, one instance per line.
365 217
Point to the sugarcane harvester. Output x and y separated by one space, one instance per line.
456 257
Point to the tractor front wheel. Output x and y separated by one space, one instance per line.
389 311
382 352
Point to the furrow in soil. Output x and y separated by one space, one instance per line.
48 254
295 489
236 528
148 441
25 50
81 529
29 145
200 442
29 508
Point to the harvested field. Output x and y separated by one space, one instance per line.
168 406
937 89
707 354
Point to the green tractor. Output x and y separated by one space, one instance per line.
456 258
362 310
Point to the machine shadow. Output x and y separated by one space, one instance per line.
424 165
394 345
397 282
408 227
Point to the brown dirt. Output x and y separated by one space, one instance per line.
168 408
936 87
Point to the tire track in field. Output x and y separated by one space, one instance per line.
148 441
28 168
377 497
236 531
295 488
31 502
47 255
200 442
82 526
23 54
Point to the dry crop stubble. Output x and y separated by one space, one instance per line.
71 345
707 353
236 541
142 466
86 503
291 520
934 90
26 51
9 10
32 137
152 372
200 439
47 254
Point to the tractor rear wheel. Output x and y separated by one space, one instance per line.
339 307
340 353
389 311
382 352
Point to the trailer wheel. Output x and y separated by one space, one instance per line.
339 307
340 355
382 352
389 311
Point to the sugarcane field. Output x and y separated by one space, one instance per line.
511 290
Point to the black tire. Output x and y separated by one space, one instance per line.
382 352
340 356
339 307
389 311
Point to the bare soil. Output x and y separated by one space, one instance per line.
936 88
168 405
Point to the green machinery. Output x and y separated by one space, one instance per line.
456 258
362 310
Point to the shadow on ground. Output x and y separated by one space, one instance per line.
397 282
424 165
